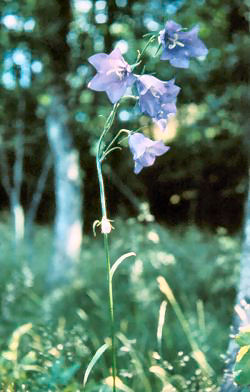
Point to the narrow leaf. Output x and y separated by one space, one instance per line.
147 35
93 361
242 352
241 369
196 352
119 384
157 50
243 338
161 321
119 261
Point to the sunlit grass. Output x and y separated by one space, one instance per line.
159 335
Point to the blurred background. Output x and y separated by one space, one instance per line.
183 216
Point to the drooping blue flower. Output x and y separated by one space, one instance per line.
179 46
145 150
157 98
114 74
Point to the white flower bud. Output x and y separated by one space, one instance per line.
106 225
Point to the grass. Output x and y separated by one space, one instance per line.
167 340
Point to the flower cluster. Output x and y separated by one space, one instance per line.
157 98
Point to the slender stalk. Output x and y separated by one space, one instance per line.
99 158
141 54
108 149
111 311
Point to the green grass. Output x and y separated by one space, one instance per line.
53 352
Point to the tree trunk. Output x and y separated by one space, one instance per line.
68 223
238 22
17 214
68 218
37 195
13 183
15 199
242 308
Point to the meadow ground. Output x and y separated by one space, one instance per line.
172 342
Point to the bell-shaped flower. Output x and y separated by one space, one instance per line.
178 45
145 150
114 74
157 98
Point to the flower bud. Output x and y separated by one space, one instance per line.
106 225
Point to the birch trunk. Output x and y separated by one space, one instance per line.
68 222
242 308
13 183
15 199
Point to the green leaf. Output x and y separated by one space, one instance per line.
243 338
157 50
242 367
119 261
67 374
93 361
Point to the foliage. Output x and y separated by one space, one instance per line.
242 365
218 88
49 342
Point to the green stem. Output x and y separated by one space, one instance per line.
106 128
111 311
140 55
99 157
108 148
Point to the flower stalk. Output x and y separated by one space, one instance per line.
99 159
157 99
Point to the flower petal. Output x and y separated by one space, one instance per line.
138 167
150 105
167 108
97 60
99 82
193 44
180 60
198 49
172 27
116 54
116 90
137 144
162 123
146 82
159 148
130 80
165 54
146 159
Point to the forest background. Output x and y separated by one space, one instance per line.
183 216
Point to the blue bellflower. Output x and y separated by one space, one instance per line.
145 150
114 74
179 46
157 98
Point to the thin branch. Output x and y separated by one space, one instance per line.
39 190
19 154
5 178
123 188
